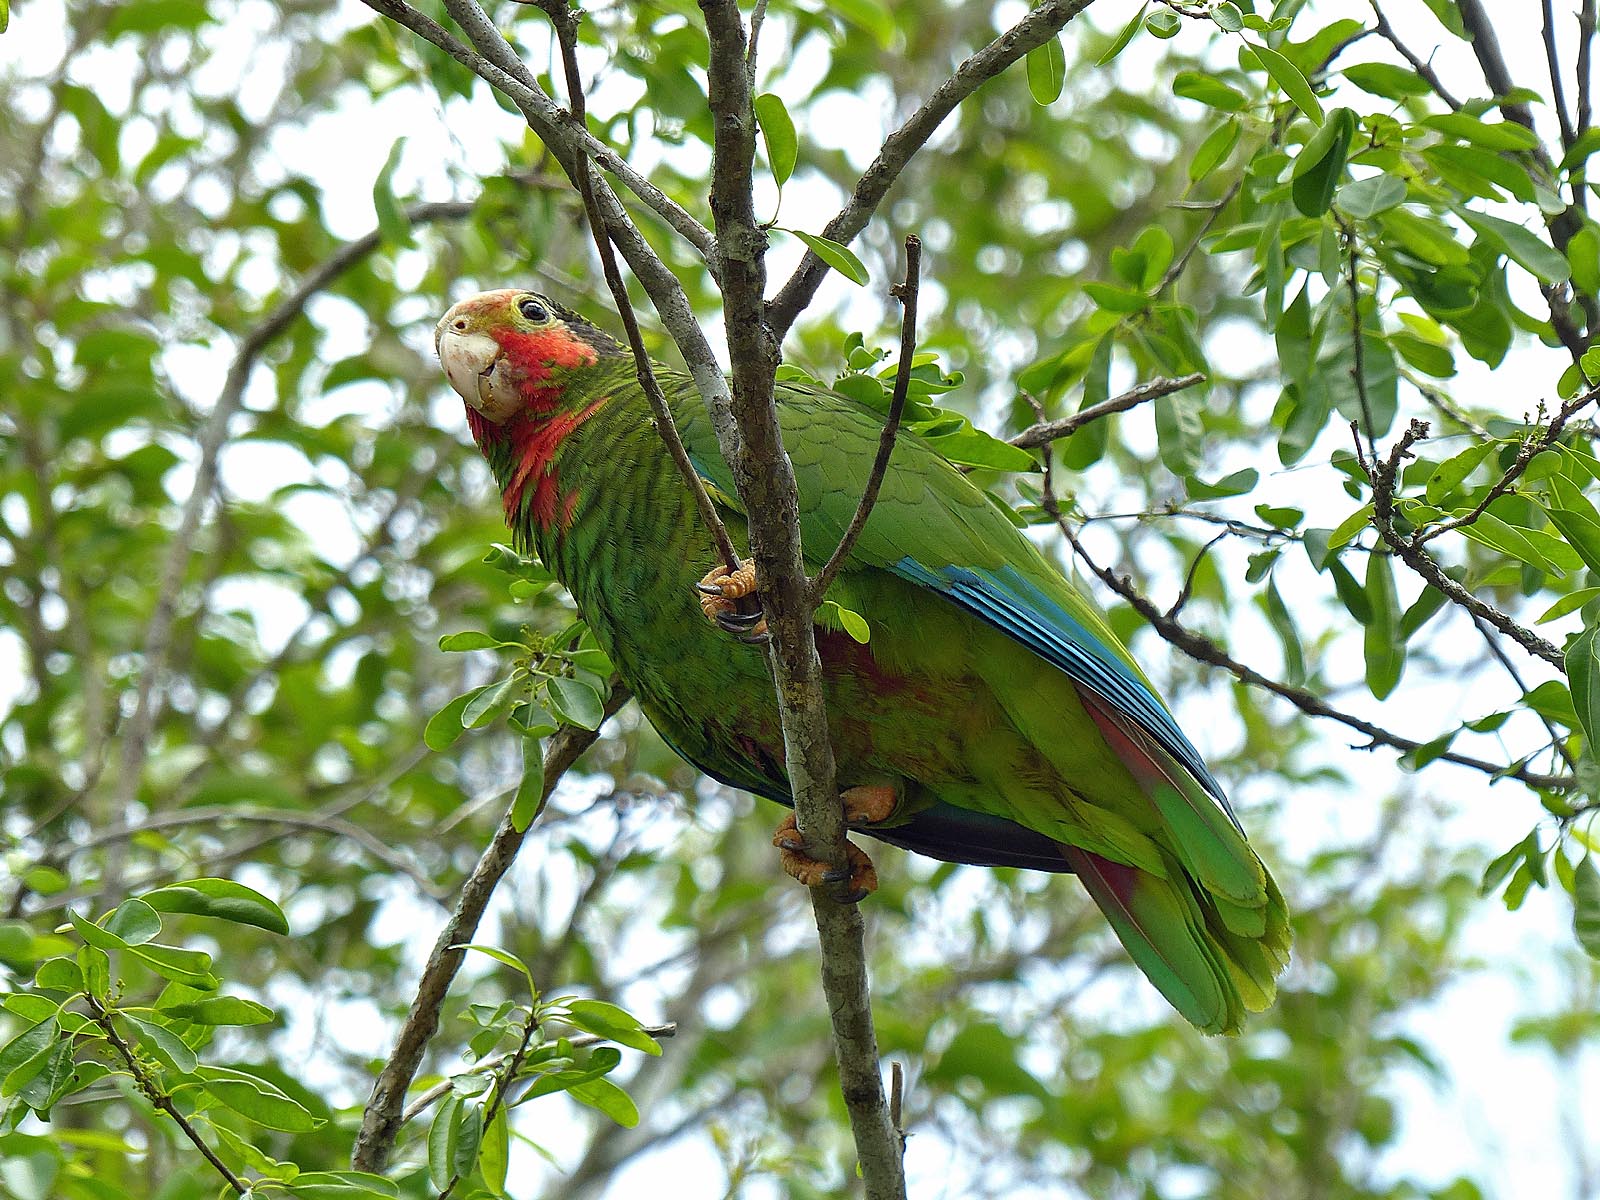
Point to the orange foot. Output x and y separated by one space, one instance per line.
720 592
862 806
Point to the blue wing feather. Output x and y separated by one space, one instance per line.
1020 609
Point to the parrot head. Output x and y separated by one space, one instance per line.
509 352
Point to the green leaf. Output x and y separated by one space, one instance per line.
222 1010
25 1055
494 1156
1385 648
134 921
505 957
1583 679
445 727
841 258
1163 24
1526 249
972 447
189 967
1123 38
1320 164
1449 475
467 639
852 622
1237 484
576 703
443 1138
1581 529
777 131
1214 150
5 14
164 1044
606 1097
1495 873
1209 90
1047 71
262 1102
1568 604
1386 80
495 700
612 1023
1348 528
222 899
94 934
1586 906
1351 594
1288 77
1365 198
1583 147
392 221
529 799
1501 135
1228 17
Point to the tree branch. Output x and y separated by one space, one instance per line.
565 22
1562 225
1417 64
147 1085
1033 31
907 292
1531 447
1046 432
1586 29
381 1121
506 73
1382 476
1557 92
766 484
1203 649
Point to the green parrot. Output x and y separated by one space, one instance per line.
991 718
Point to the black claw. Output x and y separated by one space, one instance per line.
754 639
738 622
710 589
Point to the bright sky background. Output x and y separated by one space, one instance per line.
1504 1112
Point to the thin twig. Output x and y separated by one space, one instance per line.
1557 739
213 814
1358 366
1553 61
152 1092
1188 580
565 22
1203 649
1152 389
1382 476
764 478
380 1123
1531 446
1417 64
442 1089
907 294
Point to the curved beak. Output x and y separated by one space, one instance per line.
470 361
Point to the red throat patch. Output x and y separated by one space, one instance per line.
534 442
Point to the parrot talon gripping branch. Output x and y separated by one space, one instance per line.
1015 727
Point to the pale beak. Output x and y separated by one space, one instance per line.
470 362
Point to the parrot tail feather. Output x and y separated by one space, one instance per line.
1173 930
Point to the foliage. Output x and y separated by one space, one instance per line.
247 694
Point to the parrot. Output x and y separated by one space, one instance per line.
991 717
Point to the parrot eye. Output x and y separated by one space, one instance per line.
533 310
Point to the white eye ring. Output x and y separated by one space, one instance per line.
533 310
